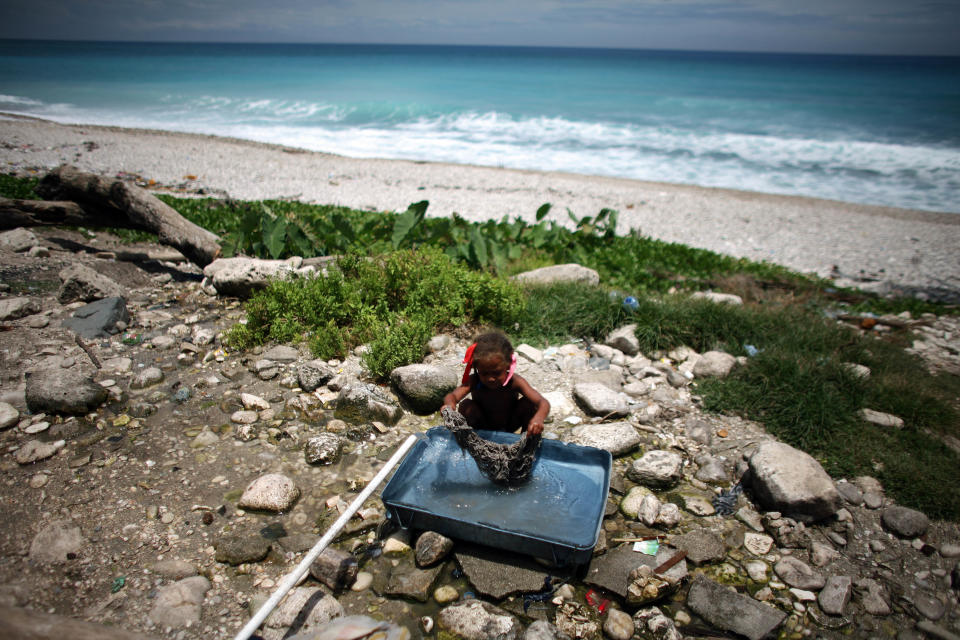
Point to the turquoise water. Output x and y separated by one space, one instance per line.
880 130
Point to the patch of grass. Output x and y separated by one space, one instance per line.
393 302
18 188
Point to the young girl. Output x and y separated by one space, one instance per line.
500 399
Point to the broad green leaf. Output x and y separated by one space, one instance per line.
543 211
478 248
275 236
407 220
344 227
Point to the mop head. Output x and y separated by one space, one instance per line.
505 464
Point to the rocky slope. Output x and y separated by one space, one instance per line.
157 482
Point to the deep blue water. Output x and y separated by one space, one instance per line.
880 130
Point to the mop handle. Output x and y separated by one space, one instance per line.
294 577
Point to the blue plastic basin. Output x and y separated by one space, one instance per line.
555 516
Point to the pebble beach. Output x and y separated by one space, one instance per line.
886 249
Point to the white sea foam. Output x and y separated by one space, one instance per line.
920 176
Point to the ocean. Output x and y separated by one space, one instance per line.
869 129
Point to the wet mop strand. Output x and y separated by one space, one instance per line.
504 464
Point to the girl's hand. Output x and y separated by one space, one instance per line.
535 427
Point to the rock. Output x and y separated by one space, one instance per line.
353 628
314 374
821 554
872 597
323 449
719 298
881 419
80 282
18 240
630 505
423 386
14 308
445 594
240 277
835 595
560 405
58 390
362 582
790 481
757 543
438 343
174 569
478 620
35 450
271 492
205 438
397 543
253 402
658 626
657 469
905 522
360 403
612 570
240 548
180 604
618 625
731 611
335 568
559 273
712 470
619 438
624 339
575 620
9 415
99 319
497 573
929 606
669 516
306 608
281 353
408 581
147 378
529 353
714 364
543 630
702 546
599 400
57 542
432 547
799 574
850 492
757 570
649 510
244 418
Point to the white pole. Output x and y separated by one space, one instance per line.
294 577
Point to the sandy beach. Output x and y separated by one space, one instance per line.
914 252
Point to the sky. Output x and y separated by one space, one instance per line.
908 27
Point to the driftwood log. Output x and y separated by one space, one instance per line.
86 199
24 624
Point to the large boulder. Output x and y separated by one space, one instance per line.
242 276
80 282
600 400
560 273
619 438
57 390
726 609
424 385
790 481
479 620
361 403
14 308
658 469
99 319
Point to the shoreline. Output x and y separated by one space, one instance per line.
913 251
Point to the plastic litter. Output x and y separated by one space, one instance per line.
630 303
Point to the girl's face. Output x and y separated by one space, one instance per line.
492 370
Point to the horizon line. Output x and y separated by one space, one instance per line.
487 46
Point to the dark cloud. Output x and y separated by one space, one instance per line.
842 26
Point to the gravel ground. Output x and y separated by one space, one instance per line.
886 249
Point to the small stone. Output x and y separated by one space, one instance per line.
797 573
147 378
618 625
323 449
757 543
362 582
271 492
244 417
881 419
657 469
835 595
446 594
34 451
9 415
432 547
237 549
905 522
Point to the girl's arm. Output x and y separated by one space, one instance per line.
452 399
535 425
